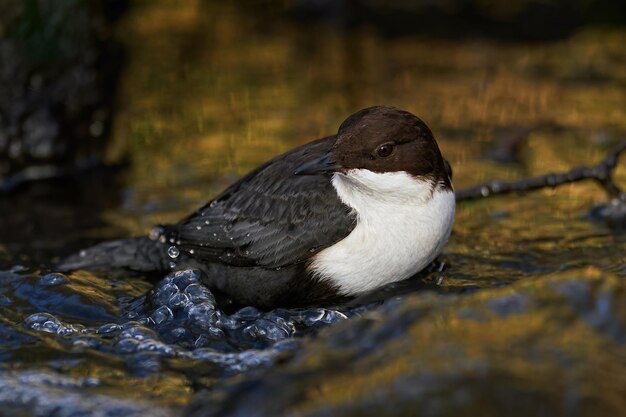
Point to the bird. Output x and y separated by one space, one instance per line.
329 220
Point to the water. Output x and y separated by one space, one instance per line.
528 292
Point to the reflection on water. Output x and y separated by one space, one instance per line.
223 92
209 93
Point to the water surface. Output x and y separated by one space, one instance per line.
209 93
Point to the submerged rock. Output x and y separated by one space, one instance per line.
548 347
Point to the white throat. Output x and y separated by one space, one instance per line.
402 225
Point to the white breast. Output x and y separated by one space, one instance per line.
402 225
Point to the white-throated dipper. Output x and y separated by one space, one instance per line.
336 217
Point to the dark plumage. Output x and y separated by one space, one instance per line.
255 239
269 218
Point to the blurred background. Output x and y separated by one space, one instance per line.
116 115
138 112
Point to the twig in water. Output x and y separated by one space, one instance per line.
602 173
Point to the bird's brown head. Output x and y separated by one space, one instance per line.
385 139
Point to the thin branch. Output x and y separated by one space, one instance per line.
602 173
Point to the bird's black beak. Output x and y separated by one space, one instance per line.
323 165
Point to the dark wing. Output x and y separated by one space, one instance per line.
271 217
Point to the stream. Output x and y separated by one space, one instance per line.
522 314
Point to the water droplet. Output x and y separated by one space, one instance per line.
127 345
173 252
198 293
214 234
162 314
162 239
82 253
198 227
213 203
191 251
178 332
172 265
52 279
247 234
172 240
178 242
45 322
207 222
155 233
108 328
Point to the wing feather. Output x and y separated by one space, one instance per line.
271 217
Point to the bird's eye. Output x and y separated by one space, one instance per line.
385 150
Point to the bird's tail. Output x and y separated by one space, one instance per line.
138 254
